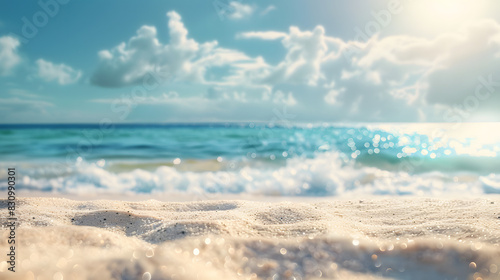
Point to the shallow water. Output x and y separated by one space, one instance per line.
306 159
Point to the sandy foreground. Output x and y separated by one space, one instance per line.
378 238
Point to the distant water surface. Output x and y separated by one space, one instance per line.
303 159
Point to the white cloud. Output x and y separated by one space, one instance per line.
332 96
280 97
459 67
239 10
212 97
268 10
221 93
182 59
403 77
60 73
157 99
305 51
9 56
391 76
212 94
265 35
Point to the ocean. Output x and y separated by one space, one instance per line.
255 158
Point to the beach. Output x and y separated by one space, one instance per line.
247 201
250 140
256 238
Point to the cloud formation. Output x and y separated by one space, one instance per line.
59 73
238 10
413 78
393 76
267 10
265 35
9 56
182 59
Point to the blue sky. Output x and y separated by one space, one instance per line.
188 61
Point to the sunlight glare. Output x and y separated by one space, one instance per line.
443 14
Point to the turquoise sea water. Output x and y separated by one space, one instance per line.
305 159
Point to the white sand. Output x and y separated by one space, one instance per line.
383 238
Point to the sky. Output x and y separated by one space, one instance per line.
66 61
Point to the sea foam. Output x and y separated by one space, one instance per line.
325 175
